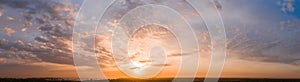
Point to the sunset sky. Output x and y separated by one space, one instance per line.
263 39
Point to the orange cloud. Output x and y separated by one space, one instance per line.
9 31
10 18
1 12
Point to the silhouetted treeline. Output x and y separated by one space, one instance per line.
35 80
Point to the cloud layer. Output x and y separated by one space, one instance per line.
41 31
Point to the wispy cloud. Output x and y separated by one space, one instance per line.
262 37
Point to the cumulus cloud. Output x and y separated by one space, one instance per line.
52 23
8 31
13 52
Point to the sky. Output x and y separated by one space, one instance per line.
262 39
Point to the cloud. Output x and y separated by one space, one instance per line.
40 34
51 25
8 31
1 11
287 6
218 4
24 29
11 53
51 21
105 57
180 54
276 49
255 35
10 18
159 65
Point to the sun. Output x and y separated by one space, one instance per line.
138 64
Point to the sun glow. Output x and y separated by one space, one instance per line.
148 48
139 65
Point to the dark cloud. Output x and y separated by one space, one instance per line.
35 7
159 65
52 43
180 54
218 4
134 68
